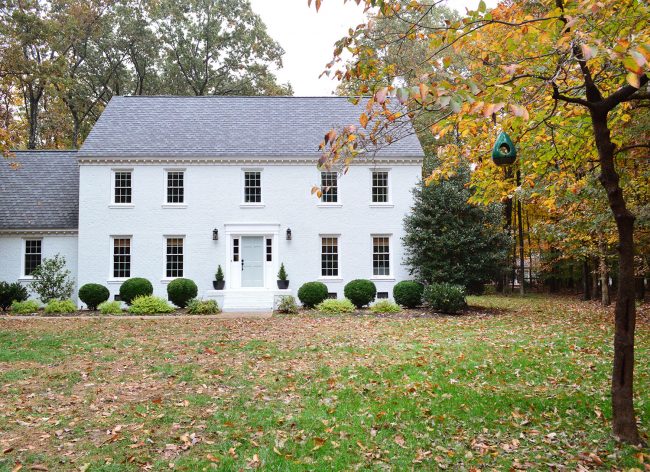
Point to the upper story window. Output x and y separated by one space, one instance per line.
329 256
379 186
174 257
252 186
381 255
33 255
122 190
175 186
121 258
329 187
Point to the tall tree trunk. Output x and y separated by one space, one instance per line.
604 276
586 285
594 278
520 226
623 417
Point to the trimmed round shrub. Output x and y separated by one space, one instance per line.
181 291
93 295
312 293
12 292
135 287
360 292
444 297
408 293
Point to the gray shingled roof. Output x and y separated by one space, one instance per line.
217 126
42 192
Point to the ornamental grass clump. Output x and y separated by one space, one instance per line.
110 308
332 306
60 307
203 307
149 305
287 305
385 306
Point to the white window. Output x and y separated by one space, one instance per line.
121 257
380 190
252 186
329 187
175 186
122 190
174 257
33 255
381 256
329 256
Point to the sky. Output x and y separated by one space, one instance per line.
308 37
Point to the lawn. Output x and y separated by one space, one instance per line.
514 384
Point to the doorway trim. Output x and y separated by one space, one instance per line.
268 230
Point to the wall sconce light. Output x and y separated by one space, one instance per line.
215 234
288 234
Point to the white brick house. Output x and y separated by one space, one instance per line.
175 186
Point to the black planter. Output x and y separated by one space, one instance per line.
283 284
218 285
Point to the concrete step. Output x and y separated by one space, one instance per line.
240 300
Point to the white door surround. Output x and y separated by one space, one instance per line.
252 233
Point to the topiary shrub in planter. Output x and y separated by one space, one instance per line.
444 297
312 293
25 307
110 308
135 287
332 306
360 292
93 295
203 307
60 307
219 282
181 291
149 305
408 293
10 293
385 306
283 278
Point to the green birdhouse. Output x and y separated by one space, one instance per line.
504 152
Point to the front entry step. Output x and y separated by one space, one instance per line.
241 300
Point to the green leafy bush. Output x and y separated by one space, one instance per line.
181 291
52 280
10 293
110 308
203 307
149 305
385 306
25 307
444 297
60 307
332 306
287 304
135 287
360 292
408 293
312 293
93 295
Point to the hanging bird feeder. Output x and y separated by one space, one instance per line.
504 152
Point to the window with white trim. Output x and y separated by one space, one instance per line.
121 258
33 255
269 249
329 187
329 256
174 258
252 186
380 186
381 256
122 190
235 250
175 186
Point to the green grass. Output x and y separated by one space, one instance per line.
515 383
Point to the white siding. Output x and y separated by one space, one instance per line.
213 198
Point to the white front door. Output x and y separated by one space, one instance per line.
252 261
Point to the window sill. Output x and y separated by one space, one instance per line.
26 278
252 205
166 280
386 278
174 205
330 279
116 281
329 205
121 205
381 205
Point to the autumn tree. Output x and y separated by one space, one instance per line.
559 76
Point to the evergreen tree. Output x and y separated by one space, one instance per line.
450 240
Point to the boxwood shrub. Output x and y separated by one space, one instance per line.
444 297
135 287
181 291
93 295
408 293
312 293
360 292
